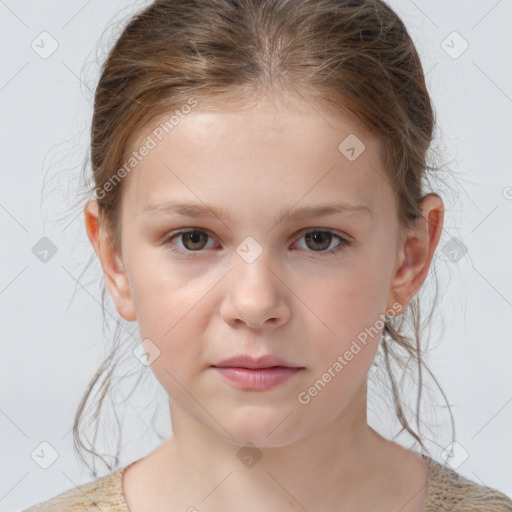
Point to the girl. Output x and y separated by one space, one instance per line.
259 210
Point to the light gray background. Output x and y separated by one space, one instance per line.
52 342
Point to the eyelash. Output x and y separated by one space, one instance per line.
344 242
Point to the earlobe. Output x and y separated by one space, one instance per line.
116 279
418 251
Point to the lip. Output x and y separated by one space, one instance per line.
256 374
245 361
257 379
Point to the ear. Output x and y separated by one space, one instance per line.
417 252
115 277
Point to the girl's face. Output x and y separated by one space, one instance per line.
257 278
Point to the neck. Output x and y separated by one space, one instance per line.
336 460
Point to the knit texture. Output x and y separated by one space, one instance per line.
447 491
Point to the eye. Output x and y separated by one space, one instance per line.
318 240
194 240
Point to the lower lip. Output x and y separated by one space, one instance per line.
257 379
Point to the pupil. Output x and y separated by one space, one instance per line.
194 237
317 237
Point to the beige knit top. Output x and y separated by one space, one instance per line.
446 491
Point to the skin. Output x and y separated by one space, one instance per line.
293 301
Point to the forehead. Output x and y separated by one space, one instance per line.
281 153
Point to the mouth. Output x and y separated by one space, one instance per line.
264 362
257 379
256 374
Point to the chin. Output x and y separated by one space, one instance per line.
264 432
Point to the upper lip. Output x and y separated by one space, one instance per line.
245 361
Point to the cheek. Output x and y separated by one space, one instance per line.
168 308
348 307
169 315
346 341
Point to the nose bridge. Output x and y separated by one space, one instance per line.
254 293
252 263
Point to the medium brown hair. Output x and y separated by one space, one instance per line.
354 56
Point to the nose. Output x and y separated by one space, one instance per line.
255 295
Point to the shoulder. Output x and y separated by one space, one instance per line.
105 494
449 491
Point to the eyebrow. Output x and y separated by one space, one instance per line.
198 210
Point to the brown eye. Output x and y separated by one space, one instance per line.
319 239
191 241
194 240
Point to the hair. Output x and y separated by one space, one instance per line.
352 56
